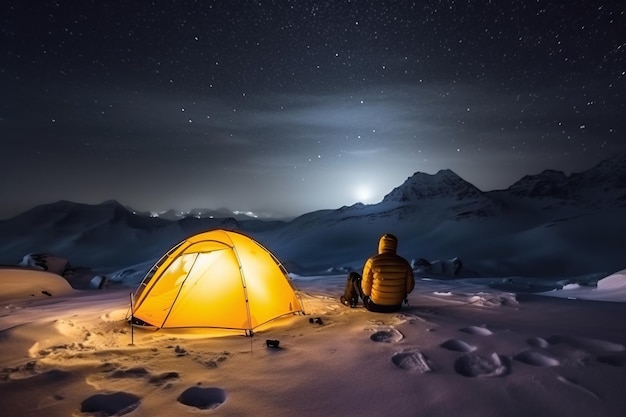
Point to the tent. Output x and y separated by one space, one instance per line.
215 279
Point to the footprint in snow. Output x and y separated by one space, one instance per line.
532 357
538 342
474 365
457 346
387 335
203 398
411 360
164 378
479 330
114 404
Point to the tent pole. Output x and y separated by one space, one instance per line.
132 320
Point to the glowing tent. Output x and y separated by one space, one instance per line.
218 279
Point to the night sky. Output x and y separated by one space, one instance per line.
285 107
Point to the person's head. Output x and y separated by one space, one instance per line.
388 243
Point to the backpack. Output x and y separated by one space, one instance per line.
350 295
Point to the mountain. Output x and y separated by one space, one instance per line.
103 235
513 231
548 183
444 184
549 224
605 182
610 173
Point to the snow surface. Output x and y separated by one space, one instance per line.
610 288
461 347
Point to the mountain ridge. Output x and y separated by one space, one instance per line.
434 215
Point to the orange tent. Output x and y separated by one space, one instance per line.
217 279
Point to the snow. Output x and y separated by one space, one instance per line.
459 348
609 288
531 325
613 283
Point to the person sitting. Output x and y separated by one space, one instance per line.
386 281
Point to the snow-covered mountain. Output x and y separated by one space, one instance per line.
605 182
548 224
102 236
444 184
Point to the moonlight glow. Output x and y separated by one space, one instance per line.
363 193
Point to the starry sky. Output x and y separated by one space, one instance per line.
288 106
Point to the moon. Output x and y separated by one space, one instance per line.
363 193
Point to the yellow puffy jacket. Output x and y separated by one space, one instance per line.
387 277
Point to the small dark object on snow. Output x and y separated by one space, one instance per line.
46 293
350 295
272 343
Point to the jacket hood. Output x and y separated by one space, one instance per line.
387 243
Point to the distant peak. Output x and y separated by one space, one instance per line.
444 184
607 174
616 162
446 171
59 205
114 203
546 174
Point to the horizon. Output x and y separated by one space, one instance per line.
270 216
